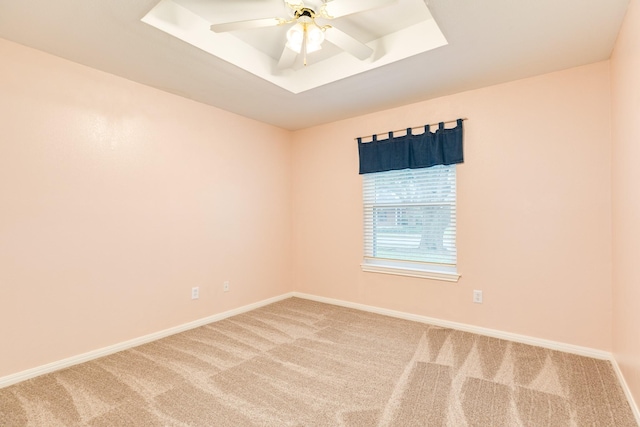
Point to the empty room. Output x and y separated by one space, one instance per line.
319 213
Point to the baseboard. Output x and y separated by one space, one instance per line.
553 345
95 354
524 339
627 390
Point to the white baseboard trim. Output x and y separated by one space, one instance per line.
627 390
524 339
552 345
95 354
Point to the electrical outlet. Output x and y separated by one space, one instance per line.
477 297
225 287
195 292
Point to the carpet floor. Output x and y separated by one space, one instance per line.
304 363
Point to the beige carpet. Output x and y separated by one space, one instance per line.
302 363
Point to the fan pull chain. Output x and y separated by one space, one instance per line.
304 45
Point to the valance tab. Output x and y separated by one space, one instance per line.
442 147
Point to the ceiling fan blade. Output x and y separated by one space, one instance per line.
338 8
287 58
294 4
348 43
246 25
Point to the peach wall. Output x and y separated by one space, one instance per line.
534 210
625 69
116 199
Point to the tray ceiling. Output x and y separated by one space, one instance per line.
487 42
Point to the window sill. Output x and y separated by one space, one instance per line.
447 274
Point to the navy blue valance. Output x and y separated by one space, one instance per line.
442 147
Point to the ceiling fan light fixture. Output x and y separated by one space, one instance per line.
315 37
305 32
295 37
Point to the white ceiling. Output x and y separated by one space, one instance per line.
395 31
489 42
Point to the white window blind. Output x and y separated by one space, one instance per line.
410 215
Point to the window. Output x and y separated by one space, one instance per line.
410 222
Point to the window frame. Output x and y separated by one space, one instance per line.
403 267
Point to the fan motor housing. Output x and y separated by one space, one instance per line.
305 11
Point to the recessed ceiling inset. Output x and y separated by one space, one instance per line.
395 30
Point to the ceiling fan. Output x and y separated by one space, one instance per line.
305 35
